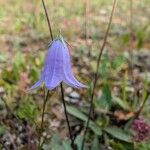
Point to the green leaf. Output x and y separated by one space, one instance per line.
118 134
66 145
19 60
95 144
2 58
144 146
18 65
80 115
2 130
120 102
28 111
55 143
35 73
105 67
118 62
106 96
105 100
120 145
117 146
125 38
95 128
78 142
77 113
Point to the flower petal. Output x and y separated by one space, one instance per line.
57 67
38 83
74 82
52 86
54 70
68 75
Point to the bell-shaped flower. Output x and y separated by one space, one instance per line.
57 67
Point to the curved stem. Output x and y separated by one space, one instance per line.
142 106
86 4
48 20
42 121
66 115
61 86
46 98
96 74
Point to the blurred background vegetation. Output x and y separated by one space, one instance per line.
124 73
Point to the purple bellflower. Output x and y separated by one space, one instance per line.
57 67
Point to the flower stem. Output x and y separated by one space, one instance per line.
96 74
48 20
61 86
142 106
66 115
42 121
46 98
86 4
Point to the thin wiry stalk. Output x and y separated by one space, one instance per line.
86 4
131 18
131 36
142 105
48 20
96 74
131 46
62 90
67 119
47 94
42 121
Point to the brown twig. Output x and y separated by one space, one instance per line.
96 74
